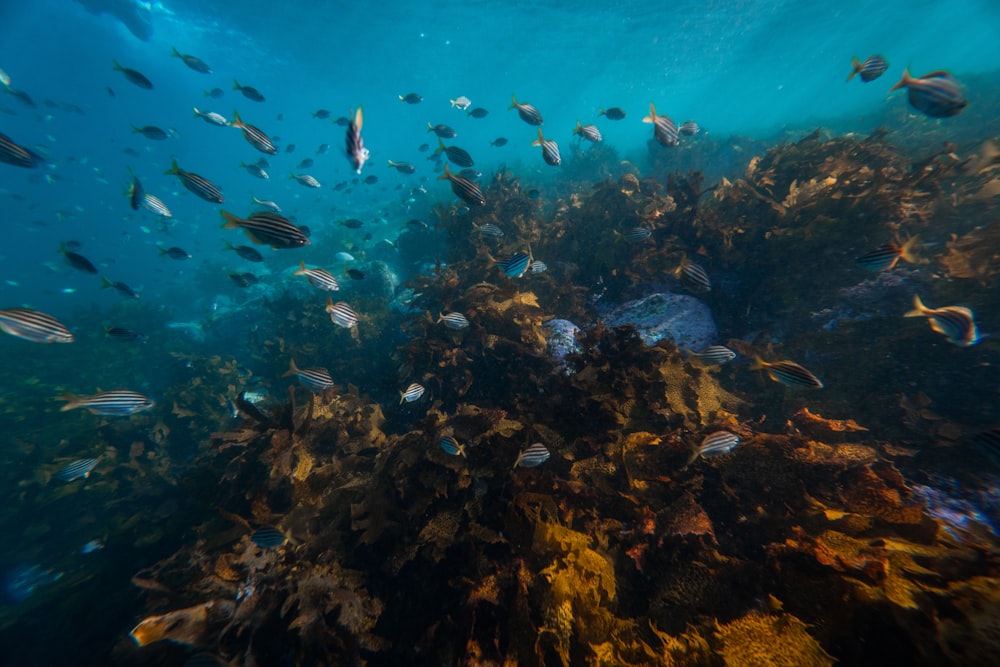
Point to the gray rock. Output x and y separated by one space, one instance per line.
682 319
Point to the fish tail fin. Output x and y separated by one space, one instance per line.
105 283
904 81
539 140
908 252
695 453
174 169
117 67
292 368
919 309
176 53
236 85
446 176
301 271
232 222
651 118
400 97
196 112
758 364
136 129
237 121
855 68
163 251
430 128
72 401
579 128
513 104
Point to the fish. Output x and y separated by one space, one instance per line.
344 256
532 457
4 79
254 170
693 276
442 131
17 155
316 380
268 228
411 394
550 150
588 132
402 167
516 265
664 129
34 326
411 98
612 113
538 266
488 229
254 135
244 279
199 185
318 278
151 132
322 114
455 154
354 143
689 128
872 68
244 251
76 260
352 223
134 76
266 203
715 444
21 96
478 112
116 403
268 537
136 194
370 179
936 94
956 323
197 64
342 314
79 469
306 180
249 92
155 205
499 141
453 320
121 287
461 103
355 274
123 335
214 93
715 355
636 234
463 188
887 255
91 547
788 373
174 252
451 446
528 113
306 163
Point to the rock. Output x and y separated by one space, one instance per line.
562 342
679 318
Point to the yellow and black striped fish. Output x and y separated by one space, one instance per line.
116 403
464 188
788 373
254 135
199 185
34 325
268 228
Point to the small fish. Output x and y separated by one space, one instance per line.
461 103
613 113
254 170
268 228
715 355
34 325
664 129
528 113
123 335
135 193
135 77
478 112
453 320
887 255
268 537
693 276
402 167
254 135
499 141
354 143
197 64
155 205
305 163
117 403
533 456
955 323
442 131
151 132
516 265
306 180
199 185
455 154
872 68
76 260
588 132
317 380
342 314
322 114
249 92
538 266
489 229
174 252
214 93
322 149
17 155
937 94
463 188
318 278
411 98
370 179
412 393
79 469
716 444
451 446
352 223
550 149
244 279
637 234
91 547
788 373
244 251
120 287
267 204
689 128
423 148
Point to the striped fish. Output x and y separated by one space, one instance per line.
788 373
79 469
455 155
342 314
354 143
528 113
34 325
135 193
315 379
538 266
715 355
268 228
550 150
211 117
872 68
153 204
664 129
937 94
489 229
116 403
307 180
318 278
956 323
693 276
533 456
516 265
689 128
637 234
254 135
412 393
716 444
199 185
588 132
451 446
887 255
268 537
453 320
15 154
463 188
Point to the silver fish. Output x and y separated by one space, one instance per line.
453 320
533 456
79 469
116 403
412 393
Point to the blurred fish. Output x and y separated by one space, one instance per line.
402 167
538 266
120 287
305 163
550 149
355 274
136 194
412 393
442 131
788 373
197 64
268 228
342 314
532 457
117 403
423 148
174 252
453 320
352 223
614 113
664 129
211 117
693 276
528 113
689 128
268 537
470 173
123 335
715 355
79 469
636 234
254 170
91 547
872 68
370 179
488 229
244 279
153 204
76 260
411 98
306 180
499 141
34 325
455 154
21 96
321 114
249 92
716 444
478 112
318 278
956 323
317 380
267 204
254 135
451 446
199 185
344 256
151 132
516 265
885 256
17 155
463 188
937 94
588 132
341 121
461 102
135 77
354 143
4 79
215 93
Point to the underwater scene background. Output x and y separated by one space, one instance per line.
591 333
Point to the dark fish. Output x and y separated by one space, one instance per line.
321 114
451 446
268 537
716 444
316 380
533 456
34 325
355 274
79 469
354 143
689 128
197 64
245 251
370 179
123 335
937 94
290 148
516 265
956 323
197 184
15 154
402 167
872 68
306 163
318 278
254 135
254 170
411 394
499 141
322 148
614 113
693 275
423 148
243 279
471 174
117 403
175 253
664 129
249 92
478 112
342 314
77 261
134 76
550 150
442 131
21 96
715 355
534 193
417 224
588 132
352 223
121 287
411 98
453 320
637 234
341 121
788 373
136 194
215 93
151 132
528 113
887 255
269 228
455 154
110 91
463 188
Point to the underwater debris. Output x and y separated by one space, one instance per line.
189 626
